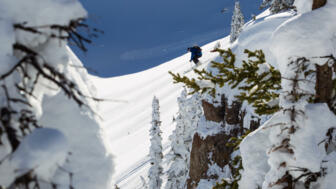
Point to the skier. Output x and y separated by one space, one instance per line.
196 53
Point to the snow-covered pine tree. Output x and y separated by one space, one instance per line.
295 141
277 6
247 77
155 152
190 111
236 23
35 62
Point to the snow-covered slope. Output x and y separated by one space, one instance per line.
307 36
127 110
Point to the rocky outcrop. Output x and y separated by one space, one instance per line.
200 157
318 3
230 114
324 84
233 113
213 149
213 113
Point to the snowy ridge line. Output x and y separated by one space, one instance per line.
137 166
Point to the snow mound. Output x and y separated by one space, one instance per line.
308 35
89 146
291 144
43 151
27 33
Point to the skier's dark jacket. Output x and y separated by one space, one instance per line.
196 52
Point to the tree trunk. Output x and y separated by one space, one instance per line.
324 84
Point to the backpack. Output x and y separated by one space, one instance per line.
198 50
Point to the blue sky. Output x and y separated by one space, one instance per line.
140 34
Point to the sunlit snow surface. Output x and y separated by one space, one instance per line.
308 34
127 113
127 110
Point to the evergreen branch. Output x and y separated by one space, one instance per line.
258 89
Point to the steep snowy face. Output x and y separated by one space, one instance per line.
257 34
36 64
305 34
295 136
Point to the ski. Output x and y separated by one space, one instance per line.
193 67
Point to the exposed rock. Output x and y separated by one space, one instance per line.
324 84
200 158
229 113
232 113
254 124
318 3
212 149
213 113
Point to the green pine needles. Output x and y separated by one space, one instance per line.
257 81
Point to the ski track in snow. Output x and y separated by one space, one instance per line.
127 117
137 166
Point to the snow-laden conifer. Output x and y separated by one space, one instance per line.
277 6
36 63
236 23
293 146
155 152
190 111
